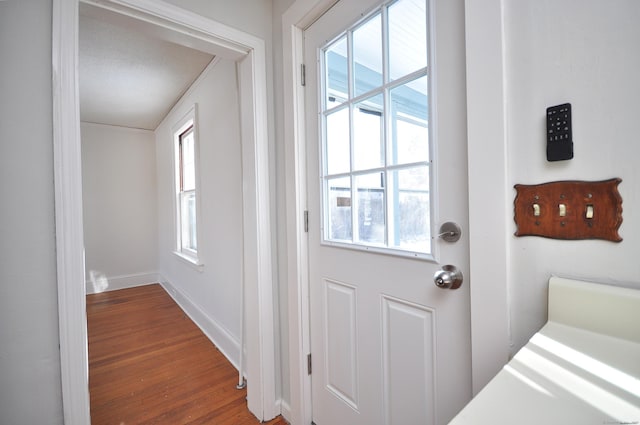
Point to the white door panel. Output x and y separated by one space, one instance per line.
388 346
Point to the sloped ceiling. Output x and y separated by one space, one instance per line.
131 79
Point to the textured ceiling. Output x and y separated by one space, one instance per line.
131 79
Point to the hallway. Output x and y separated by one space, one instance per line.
149 363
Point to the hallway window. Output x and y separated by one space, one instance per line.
186 177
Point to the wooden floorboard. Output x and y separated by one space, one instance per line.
150 364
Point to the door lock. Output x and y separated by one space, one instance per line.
450 232
448 278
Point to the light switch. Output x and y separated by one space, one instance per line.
567 210
562 209
589 212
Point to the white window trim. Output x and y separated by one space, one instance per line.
189 260
190 118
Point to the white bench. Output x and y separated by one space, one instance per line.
582 367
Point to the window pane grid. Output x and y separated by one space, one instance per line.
338 192
187 160
331 106
366 60
188 220
379 169
379 150
186 233
336 73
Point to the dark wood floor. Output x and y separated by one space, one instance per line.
150 364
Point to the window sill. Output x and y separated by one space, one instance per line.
192 261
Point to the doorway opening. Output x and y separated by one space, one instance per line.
248 52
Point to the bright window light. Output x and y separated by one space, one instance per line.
186 172
375 132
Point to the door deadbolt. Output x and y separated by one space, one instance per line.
450 232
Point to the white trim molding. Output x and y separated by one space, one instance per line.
297 18
72 313
258 309
189 119
221 337
487 164
248 51
99 282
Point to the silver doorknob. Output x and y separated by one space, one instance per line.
448 278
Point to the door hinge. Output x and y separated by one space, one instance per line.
303 75
306 221
309 364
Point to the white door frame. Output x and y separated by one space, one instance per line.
488 228
297 18
249 53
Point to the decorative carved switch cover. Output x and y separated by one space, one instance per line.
569 210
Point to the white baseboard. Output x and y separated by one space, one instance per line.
221 338
285 410
98 282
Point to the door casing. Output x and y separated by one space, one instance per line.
249 53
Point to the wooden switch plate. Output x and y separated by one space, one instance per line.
569 210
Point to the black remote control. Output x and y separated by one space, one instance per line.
559 135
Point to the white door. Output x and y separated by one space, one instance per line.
386 161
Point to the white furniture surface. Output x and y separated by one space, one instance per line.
582 367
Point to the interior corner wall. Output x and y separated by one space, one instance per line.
119 206
30 379
211 294
584 52
256 17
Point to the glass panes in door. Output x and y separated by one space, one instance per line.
376 160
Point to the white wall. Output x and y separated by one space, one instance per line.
119 205
524 57
251 16
211 295
30 391
255 17
586 53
